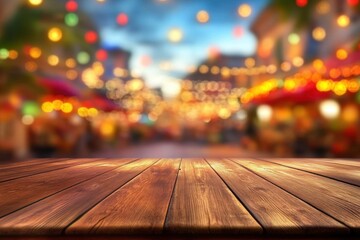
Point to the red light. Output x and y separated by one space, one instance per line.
301 3
238 31
101 55
353 2
91 37
122 19
71 6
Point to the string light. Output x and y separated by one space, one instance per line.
341 54
294 38
301 3
122 19
244 10
175 35
53 60
71 6
343 20
91 37
202 16
71 19
35 2
319 33
55 34
35 52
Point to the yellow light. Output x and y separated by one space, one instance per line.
224 113
298 61
343 20
319 33
82 112
35 52
55 34
341 54
204 69
47 107
57 104
67 107
202 16
93 112
215 70
330 109
31 66
53 60
35 2
244 10
134 85
249 62
175 35
289 84
70 63
340 88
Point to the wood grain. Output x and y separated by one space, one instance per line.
24 171
21 192
276 210
8 165
338 199
349 162
327 169
202 203
53 214
139 207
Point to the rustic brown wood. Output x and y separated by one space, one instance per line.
29 162
349 162
138 207
24 171
21 192
276 210
53 214
338 199
202 203
344 173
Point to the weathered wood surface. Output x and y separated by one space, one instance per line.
139 206
277 210
337 199
203 204
68 197
324 168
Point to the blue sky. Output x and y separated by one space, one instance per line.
150 21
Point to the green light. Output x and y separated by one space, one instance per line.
30 108
71 19
83 58
4 53
294 38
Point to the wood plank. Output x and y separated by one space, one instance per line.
139 207
24 171
53 214
337 199
327 169
202 203
349 162
8 165
276 210
21 192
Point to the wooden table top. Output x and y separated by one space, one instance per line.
161 197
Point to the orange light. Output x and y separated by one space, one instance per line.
341 54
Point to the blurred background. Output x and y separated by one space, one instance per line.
179 78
